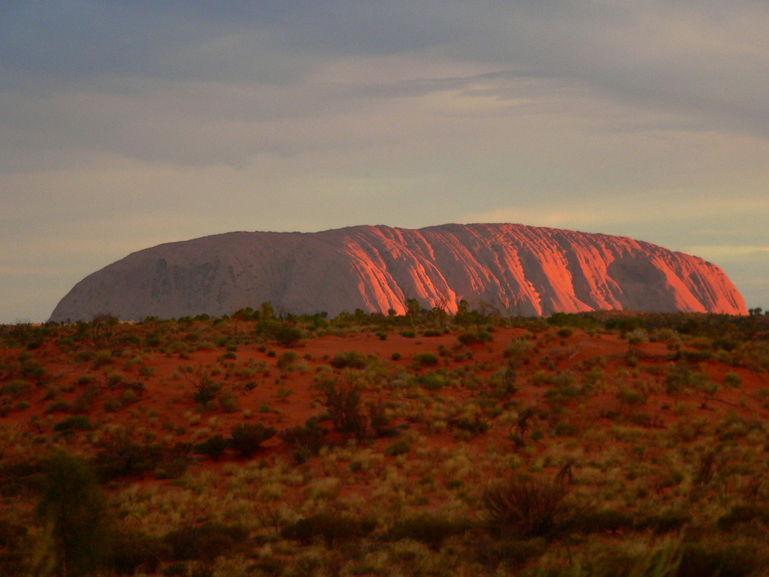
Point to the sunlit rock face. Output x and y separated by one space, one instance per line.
514 268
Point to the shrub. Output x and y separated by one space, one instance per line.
600 521
12 551
426 359
665 521
15 388
740 514
306 440
429 529
509 552
631 397
518 351
343 403
527 508
248 438
433 381
287 336
130 552
204 542
206 391
732 380
329 526
287 360
474 337
213 447
102 359
122 458
352 360
400 447
474 425
73 423
75 508
713 559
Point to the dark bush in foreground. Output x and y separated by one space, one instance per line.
329 526
73 505
121 457
213 447
508 552
247 439
526 508
429 529
133 551
718 560
204 542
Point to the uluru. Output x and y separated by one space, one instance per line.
516 269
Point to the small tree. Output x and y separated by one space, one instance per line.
74 508
344 406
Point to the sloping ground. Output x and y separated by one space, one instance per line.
517 269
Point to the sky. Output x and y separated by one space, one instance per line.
125 124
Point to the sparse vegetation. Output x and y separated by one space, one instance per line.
615 444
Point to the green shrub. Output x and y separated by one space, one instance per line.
474 337
732 380
306 440
13 539
397 448
247 438
213 447
665 521
131 552
432 530
120 457
328 526
206 391
102 359
508 552
287 360
473 425
287 336
343 404
204 542
75 508
426 359
600 521
741 514
73 423
433 381
351 360
717 559
15 388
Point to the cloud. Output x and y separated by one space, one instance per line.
138 122
731 251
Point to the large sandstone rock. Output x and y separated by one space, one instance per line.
517 269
